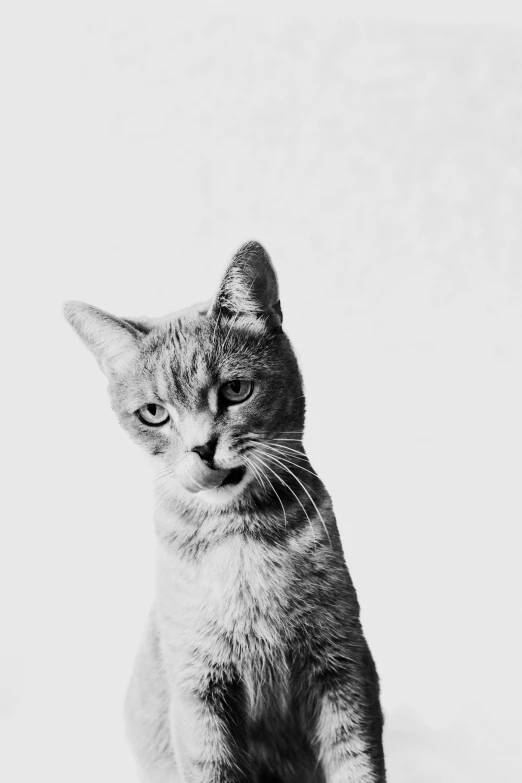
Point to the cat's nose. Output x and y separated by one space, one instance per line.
207 450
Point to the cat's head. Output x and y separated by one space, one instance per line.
209 392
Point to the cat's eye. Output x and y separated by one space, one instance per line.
152 415
236 391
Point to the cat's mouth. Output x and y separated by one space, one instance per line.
196 476
234 477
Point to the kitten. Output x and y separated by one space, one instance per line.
253 666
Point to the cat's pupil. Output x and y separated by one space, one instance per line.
235 386
152 409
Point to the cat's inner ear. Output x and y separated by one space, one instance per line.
114 341
249 286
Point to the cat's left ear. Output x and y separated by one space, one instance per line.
114 341
249 286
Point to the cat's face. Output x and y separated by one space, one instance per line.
209 391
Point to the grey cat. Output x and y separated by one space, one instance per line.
253 666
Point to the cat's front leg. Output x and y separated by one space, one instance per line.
207 731
349 734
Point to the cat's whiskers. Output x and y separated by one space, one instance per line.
289 451
296 453
293 493
164 475
255 470
283 464
275 441
286 458
262 473
281 432
264 436
171 470
259 473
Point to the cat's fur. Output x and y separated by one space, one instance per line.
253 666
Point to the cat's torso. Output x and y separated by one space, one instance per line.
239 606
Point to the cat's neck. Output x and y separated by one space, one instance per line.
191 529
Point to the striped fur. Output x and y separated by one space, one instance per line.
253 666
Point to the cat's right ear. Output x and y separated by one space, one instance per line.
249 286
114 341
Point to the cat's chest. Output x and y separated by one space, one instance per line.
238 589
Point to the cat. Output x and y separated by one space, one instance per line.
253 666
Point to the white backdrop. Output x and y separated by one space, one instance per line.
380 163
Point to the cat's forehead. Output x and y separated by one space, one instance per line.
186 357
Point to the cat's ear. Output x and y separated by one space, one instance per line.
113 341
249 286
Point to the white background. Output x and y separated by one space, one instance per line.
380 163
